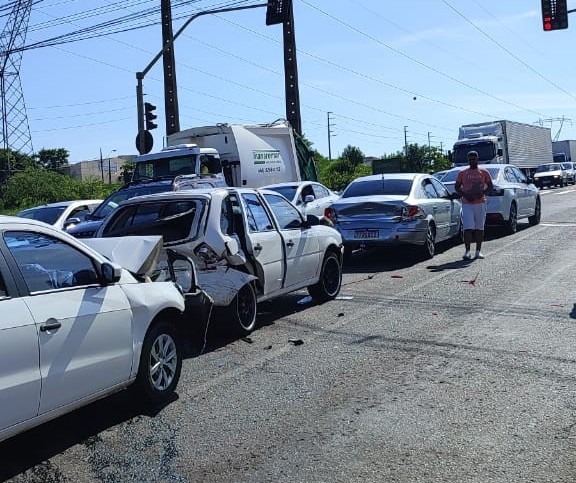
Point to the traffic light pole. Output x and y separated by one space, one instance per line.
291 74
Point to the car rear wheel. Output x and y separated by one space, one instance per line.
330 281
160 363
512 225
243 310
535 218
429 248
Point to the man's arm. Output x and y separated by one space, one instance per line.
488 182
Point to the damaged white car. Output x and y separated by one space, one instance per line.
76 326
248 245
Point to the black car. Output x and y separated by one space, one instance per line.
87 229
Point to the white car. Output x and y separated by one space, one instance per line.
75 327
247 245
513 197
61 215
551 174
311 197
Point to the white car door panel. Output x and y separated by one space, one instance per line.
90 347
20 381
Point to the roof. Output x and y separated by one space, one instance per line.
385 176
65 204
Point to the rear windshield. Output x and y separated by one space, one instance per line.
450 176
48 215
112 202
174 220
400 187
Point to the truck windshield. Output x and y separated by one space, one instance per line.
165 167
486 152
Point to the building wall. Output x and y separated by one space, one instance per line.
93 169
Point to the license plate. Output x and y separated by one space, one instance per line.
366 234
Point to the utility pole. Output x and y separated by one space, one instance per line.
101 166
170 88
291 73
428 139
406 141
329 136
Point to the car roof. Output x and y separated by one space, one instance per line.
288 183
64 203
16 220
385 176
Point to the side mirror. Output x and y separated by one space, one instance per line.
182 271
454 196
233 253
309 199
72 221
499 152
110 273
312 220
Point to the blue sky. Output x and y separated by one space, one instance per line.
377 65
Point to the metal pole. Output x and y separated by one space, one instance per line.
329 136
140 111
405 141
101 166
170 87
291 75
109 172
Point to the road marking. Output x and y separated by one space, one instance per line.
558 224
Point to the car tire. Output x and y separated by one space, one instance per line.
428 250
535 218
512 224
160 363
243 310
330 281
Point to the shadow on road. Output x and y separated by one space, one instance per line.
27 451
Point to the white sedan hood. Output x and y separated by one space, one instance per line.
137 254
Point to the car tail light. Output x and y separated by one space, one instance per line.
410 212
206 254
330 213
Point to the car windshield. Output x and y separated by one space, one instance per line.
486 152
450 176
382 186
112 202
548 167
165 167
47 214
287 191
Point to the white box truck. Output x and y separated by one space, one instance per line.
254 155
526 146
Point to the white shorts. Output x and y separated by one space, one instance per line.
473 216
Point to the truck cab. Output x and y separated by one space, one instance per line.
489 149
185 162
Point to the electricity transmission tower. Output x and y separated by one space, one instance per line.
14 131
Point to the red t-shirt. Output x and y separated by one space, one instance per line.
474 182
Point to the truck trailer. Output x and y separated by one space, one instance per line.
564 151
505 142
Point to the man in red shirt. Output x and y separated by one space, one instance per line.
472 184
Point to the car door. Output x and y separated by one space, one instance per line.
20 381
302 246
454 207
439 208
264 243
84 329
529 192
323 199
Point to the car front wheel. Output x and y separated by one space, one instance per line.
330 281
160 363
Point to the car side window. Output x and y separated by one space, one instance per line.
258 218
47 263
429 190
3 289
519 175
440 188
289 218
509 176
307 190
319 191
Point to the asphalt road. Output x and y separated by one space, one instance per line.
438 371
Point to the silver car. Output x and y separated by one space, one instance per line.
400 208
311 197
513 197
61 215
550 174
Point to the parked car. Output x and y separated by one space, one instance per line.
76 327
63 214
550 174
570 172
88 228
311 197
514 197
397 208
248 245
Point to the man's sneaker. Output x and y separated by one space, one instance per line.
479 254
467 255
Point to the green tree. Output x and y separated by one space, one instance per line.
53 159
353 154
126 171
14 161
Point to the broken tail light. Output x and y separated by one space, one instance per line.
330 213
410 212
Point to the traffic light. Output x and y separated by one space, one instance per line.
149 116
278 11
554 14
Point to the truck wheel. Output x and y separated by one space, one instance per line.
512 225
160 363
535 218
330 281
243 310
